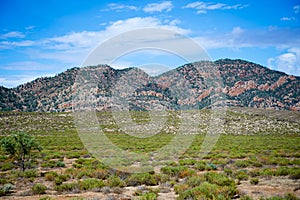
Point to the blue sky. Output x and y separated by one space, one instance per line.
43 38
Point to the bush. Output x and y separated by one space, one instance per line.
6 189
60 164
195 181
20 146
219 179
173 171
67 187
6 166
241 175
254 181
242 163
148 196
200 166
91 183
50 176
61 178
180 188
140 179
186 173
31 173
282 171
187 162
39 189
208 191
115 181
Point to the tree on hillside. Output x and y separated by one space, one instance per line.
20 146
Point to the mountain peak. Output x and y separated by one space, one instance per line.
244 84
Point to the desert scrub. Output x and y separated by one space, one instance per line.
173 171
242 163
53 164
61 178
254 181
140 179
240 175
31 173
91 183
148 196
115 181
38 189
194 181
187 162
67 187
208 191
219 179
50 176
6 189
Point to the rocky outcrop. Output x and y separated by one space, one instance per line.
192 86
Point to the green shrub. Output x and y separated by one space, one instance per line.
241 175
180 188
173 171
50 176
6 166
61 178
60 164
31 173
21 147
200 166
282 171
85 172
208 191
67 187
186 173
148 196
140 179
194 181
115 181
91 183
295 173
254 173
6 189
254 181
187 162
39 189
242 163
219 179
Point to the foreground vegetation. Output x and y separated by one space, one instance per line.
245 163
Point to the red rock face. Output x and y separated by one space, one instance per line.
241 87
243 84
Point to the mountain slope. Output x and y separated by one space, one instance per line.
194 85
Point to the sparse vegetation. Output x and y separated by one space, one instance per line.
20 147
65 166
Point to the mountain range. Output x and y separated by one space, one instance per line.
198 85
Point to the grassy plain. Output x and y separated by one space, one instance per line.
257 156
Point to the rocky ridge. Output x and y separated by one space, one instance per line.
192 86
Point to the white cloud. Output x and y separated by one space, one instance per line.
120 7
203 7
73 48
288 62
158 7
23 43
29 27
12 34
296 9
287 18
27 66
237 30
11 81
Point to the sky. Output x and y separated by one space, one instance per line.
44 38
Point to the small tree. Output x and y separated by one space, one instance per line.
20 146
